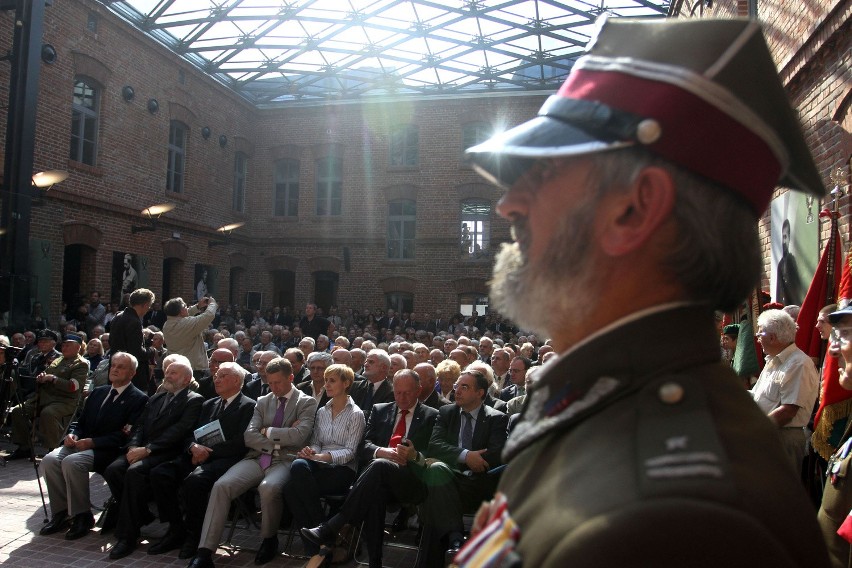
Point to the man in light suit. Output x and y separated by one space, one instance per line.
466 448
92 443
281 426
394 470
158 437
196 470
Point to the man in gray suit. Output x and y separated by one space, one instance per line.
282 424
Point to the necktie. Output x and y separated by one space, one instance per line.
399 431
166 402
467 431
264 389
219 408
368 401
108 401
266 459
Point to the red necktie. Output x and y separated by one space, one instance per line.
399 431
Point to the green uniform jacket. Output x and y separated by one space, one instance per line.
70 380
641 448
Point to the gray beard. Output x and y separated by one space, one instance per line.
560 289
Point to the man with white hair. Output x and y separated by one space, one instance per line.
157 437
789 383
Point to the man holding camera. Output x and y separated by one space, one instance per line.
184 327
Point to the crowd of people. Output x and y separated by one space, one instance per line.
373 408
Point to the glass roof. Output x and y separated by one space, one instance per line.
279 51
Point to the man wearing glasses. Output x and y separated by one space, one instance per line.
466 443
788 385
202 462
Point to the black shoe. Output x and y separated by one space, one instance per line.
400 523
20 453
109 518
318 535
173 539
57 523
189 547
201 562
81 526
453 549
268 550
122 548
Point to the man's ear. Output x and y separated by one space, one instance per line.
628 219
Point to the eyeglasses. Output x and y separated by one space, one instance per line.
318 368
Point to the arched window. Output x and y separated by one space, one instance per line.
475 228
85 107
404 145
286 193
240 167
402 215
178 134
329 185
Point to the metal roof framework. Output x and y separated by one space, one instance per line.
279 52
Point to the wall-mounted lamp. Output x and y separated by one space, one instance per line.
205 132
223 140
127 93
152 214
226 231
46 180
153 106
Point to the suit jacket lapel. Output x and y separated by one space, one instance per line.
480 440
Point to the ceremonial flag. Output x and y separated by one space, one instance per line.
821 292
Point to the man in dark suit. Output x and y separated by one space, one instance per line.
200 465
125 334
428 378
389 321
92 443
257 386
466 442
206 386
518 372
375 388
394 468
157 438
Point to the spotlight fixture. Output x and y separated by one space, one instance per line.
127 93
223 140
226 231
153 106
46 180
152 214
205 132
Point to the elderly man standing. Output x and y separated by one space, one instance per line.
57 394
627 195
789 383
157 437
126 335
184 328
282 423
92 443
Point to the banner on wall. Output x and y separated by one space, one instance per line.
794 234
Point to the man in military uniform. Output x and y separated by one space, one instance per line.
56 397
36 360
627 195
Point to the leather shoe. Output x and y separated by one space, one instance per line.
56 524
199 562
83 522
455 546
122 548
318 535
189 546
268 550
173 539
19 454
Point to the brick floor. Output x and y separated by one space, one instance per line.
22 516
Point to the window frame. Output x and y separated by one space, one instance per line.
404 146
288 197
397 224
479 229
329 186
176 177
81 116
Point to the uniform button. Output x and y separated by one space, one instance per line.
670 393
